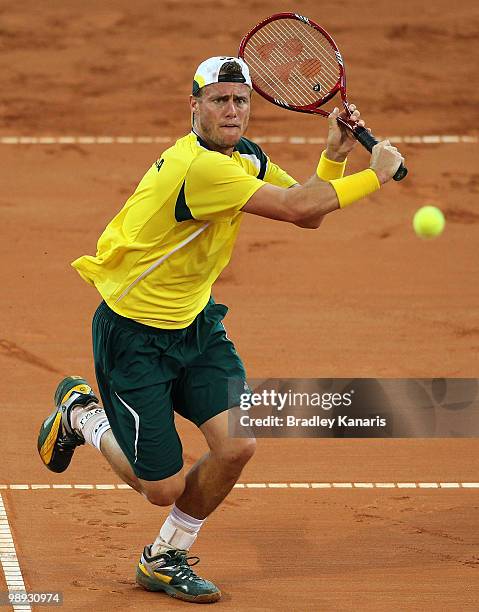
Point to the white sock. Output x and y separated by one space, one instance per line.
178 531
91 422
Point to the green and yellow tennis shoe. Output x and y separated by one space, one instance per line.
57 440
171 572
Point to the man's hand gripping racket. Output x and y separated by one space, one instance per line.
295 64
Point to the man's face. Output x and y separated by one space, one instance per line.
222 114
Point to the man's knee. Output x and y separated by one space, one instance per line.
239 452
163 492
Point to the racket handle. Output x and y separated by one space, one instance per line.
368 141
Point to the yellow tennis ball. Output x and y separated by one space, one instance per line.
428 222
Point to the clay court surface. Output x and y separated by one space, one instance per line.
362 297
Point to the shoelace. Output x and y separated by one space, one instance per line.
186 565
183 562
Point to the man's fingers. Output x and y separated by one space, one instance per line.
352 113
333 119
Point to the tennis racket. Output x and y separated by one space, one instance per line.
296 64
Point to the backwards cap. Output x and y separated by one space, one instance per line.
208 73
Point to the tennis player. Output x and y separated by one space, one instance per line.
159 343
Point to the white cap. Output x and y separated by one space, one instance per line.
208 73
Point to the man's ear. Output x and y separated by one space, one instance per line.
194 104
193 108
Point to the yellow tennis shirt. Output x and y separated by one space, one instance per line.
158 258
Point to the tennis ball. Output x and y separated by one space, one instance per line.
428 222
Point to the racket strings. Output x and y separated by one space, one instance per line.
272 69
274 74
292 62
292 47
323 49
315 49
283 52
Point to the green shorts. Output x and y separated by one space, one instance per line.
146 374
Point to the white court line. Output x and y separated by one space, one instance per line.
8 558
293 140
261 485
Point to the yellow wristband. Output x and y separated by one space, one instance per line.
355 186
328 170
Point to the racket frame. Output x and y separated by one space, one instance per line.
315 107
364 136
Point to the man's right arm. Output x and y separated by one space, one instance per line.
308 203
314 199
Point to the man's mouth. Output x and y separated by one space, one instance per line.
230 125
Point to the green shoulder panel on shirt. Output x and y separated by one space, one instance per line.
248 147
182 211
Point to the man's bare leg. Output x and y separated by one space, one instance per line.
212 477
208 482
159 492
112 452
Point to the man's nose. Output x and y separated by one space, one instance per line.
231 109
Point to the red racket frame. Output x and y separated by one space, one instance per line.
360 133
340 86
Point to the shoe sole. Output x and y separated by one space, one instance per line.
50 428
47 436
156 586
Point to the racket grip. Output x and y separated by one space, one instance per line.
368 141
